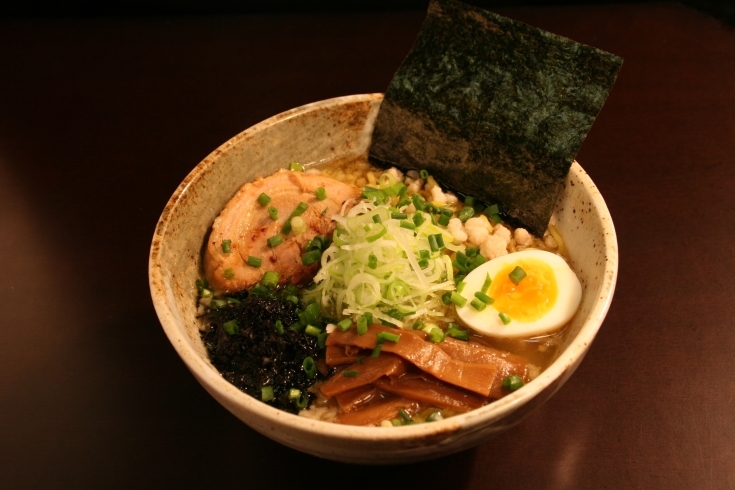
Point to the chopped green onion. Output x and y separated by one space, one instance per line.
484 298
270 279
418 219
226 246
299 209
423 263
373 261
432 243
491 210
418 202
231 327
435 416
229 273
486 284
460 286
447 298
393 337
294 394
424 254
418 325
206 293
512 382
312 312
266 393
321 194
309 367
408 225
405 418
457 333
368 317
264 199
297 327
472 251
398 215
362 325
311 257
275 240
458 299
344 325
322 340
376 350
303 400
298 225
436 335
439 240
517 275
504 318
444 220
469 200
350 374
254 261
312 331
466 213
279 326
296 167
424 174
377 219
495 218
478 305
273 212
325 211
286 227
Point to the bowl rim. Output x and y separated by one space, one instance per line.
211 379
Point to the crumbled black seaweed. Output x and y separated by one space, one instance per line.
257 355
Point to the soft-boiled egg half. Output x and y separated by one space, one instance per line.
544 300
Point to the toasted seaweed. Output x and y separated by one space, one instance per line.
493 107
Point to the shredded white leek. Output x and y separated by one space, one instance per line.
393 287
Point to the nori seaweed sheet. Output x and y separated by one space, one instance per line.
493 108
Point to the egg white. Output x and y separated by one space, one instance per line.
488 322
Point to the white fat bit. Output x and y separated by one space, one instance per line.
523 237
456 228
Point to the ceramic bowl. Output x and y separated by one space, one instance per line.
338 128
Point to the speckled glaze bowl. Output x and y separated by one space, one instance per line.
322 131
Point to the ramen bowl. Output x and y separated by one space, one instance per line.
341 128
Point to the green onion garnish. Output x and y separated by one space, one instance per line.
377 219
460 286
296 327
362 325
266 393
344 325
286 227
472 251
275 240
299 209
435 416
398 215
447 298
486 284
405 418
296 167
491 210
311 257
312 331
226 246
439 240
321 340
466 213
436 335
457 333
512 382
458 299
469 200
418 202
325 211
478 305
368 317
350 374
270 279
504 318
517 275
321 194
294 394
309 367
376 350
279 326
432 243
273 212
303 400
495 218
373 261
418 325
418 219
424 174
408 225
264 199
393 337
231 327
484 298
229 273
444 220
254 261
423 264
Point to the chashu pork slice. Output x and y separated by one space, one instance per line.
248 226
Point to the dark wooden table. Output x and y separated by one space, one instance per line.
100 119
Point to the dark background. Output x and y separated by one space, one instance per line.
105 108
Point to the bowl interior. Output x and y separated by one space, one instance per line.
341 128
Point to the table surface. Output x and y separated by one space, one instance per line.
101 119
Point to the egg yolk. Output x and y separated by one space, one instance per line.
532 298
